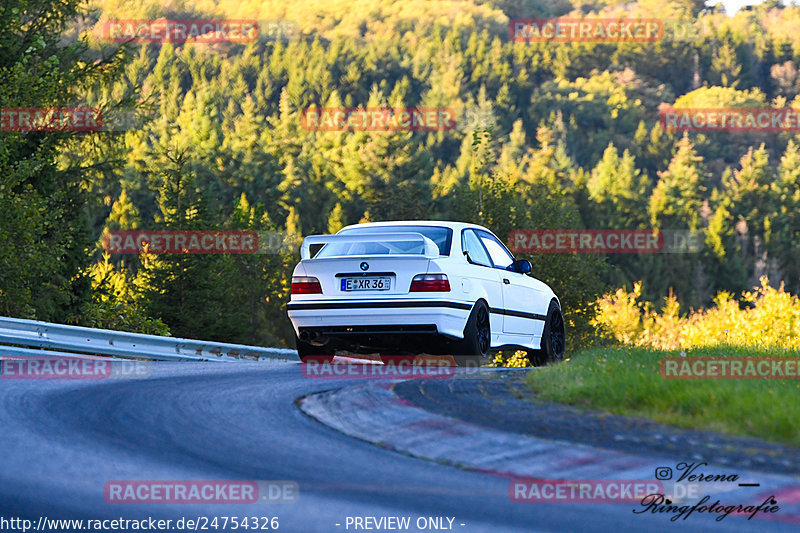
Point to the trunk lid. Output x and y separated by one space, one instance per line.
356 266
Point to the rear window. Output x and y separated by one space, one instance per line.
442 237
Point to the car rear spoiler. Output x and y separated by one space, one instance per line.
430 250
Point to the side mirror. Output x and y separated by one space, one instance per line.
523 266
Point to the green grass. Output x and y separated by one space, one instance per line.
627 381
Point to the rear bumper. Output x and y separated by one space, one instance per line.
399 317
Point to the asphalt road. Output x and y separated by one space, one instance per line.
62 441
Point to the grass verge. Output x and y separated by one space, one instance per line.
626 381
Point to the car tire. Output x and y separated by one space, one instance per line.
474 349
553 339
308 352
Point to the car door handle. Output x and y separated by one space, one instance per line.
505 280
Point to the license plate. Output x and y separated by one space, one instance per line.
366 284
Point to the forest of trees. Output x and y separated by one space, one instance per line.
547 136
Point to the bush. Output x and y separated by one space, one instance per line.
518 359
116 304
766 318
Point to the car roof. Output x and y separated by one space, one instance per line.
455 226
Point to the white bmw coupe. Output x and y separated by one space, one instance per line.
420 287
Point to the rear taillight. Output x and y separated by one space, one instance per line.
305 285
430 283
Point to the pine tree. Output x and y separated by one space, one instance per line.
188 291
336 219
725 67
618 187
293 222
678 195
44 228
749 190
676 203
124 215
785 242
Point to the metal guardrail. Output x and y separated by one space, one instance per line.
80 340
16 352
